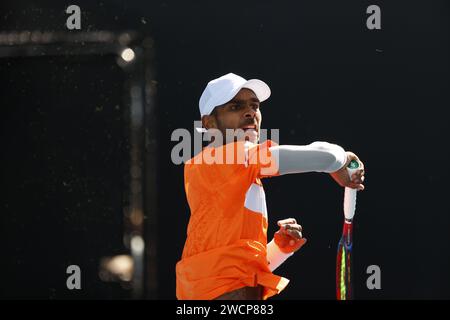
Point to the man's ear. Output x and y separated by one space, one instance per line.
209 122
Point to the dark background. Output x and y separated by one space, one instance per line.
380 93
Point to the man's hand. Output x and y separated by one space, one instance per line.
342 178
289 237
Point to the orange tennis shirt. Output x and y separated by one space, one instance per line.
226 240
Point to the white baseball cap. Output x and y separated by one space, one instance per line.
221 90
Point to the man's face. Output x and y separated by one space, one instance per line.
241 112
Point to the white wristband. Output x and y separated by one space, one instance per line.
275 257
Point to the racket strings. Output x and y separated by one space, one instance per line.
343 265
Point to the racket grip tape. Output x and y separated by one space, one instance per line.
349 193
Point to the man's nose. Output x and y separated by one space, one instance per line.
250 113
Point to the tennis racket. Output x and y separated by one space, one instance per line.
344 290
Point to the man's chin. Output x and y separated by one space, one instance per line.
251 135
251 139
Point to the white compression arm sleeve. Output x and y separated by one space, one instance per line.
275 257
315 157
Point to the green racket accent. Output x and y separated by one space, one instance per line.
353 164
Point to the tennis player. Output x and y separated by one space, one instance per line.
226 254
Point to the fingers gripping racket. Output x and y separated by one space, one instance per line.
344 288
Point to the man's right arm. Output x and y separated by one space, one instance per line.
315 157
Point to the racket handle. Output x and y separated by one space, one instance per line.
350 194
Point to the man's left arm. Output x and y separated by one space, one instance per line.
285 242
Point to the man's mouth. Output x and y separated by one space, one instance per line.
250 132
250 127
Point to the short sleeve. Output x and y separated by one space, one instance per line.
260 159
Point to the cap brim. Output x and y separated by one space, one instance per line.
260 88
